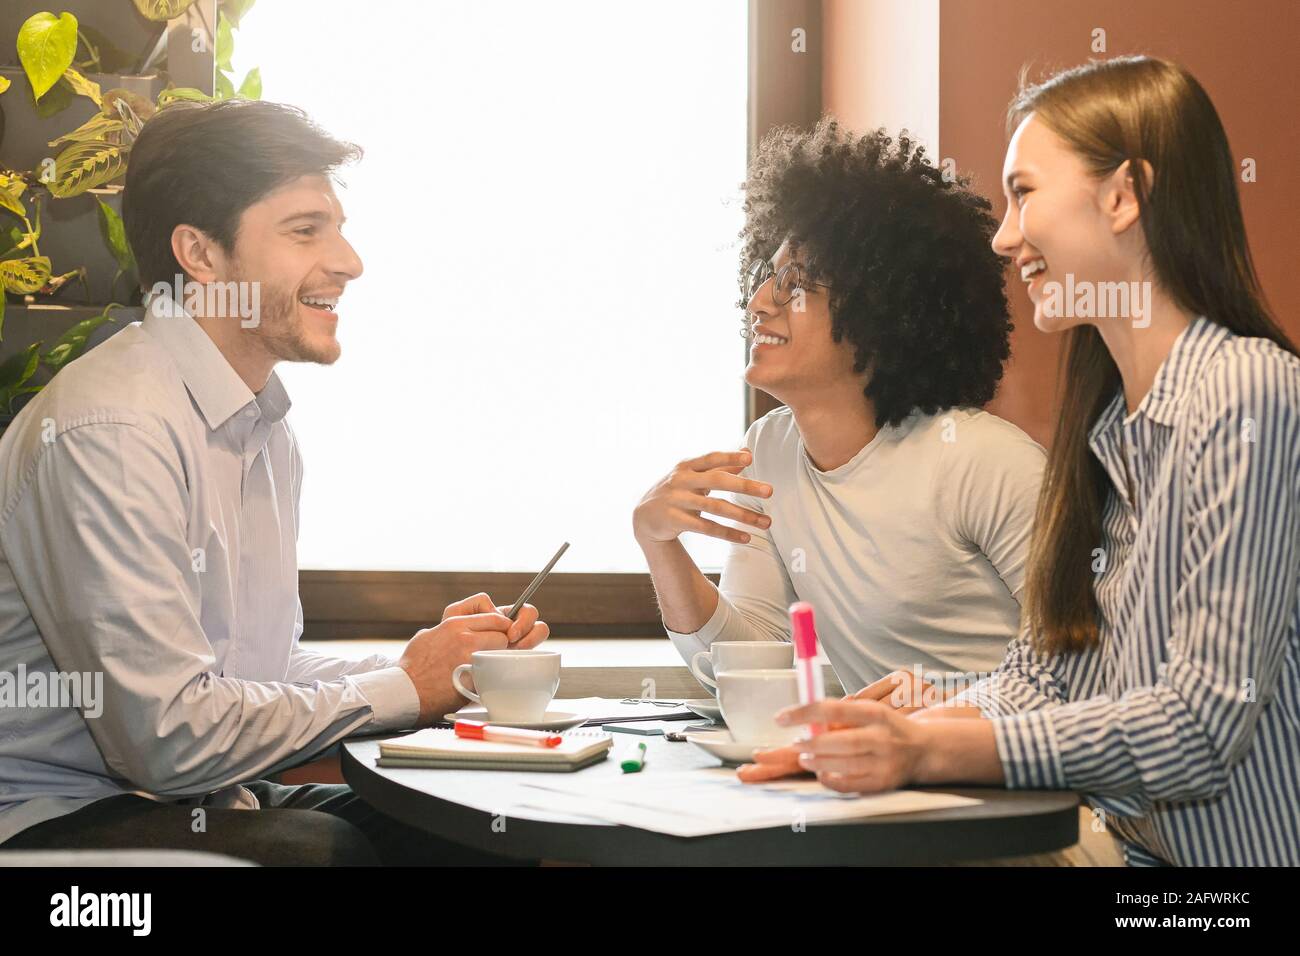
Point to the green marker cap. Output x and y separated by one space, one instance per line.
635 759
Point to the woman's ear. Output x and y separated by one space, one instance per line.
1119 194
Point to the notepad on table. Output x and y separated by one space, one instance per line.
440 748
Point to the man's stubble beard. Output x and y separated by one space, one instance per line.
282 333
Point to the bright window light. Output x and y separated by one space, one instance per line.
547 211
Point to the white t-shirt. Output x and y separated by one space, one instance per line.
911 553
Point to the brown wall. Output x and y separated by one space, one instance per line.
1243 53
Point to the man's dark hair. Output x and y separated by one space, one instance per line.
203 164
914 284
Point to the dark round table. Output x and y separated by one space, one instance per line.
483 809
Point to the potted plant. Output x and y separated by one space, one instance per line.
69 111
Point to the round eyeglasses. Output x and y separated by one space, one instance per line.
789 280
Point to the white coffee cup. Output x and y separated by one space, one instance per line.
515 686
741 656
750 700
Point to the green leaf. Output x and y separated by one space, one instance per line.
83 166
162 9
2 315
73 342
24 276
46 46
187 93
99 128
4 83
235 10
225 43
9 200
225 89
16 370
83 87
114 233
251 88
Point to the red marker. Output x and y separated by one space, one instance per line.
809 673
477 730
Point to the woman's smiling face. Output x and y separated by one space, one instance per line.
1060 220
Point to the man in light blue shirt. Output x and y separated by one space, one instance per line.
149 612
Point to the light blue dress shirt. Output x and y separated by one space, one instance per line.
148 525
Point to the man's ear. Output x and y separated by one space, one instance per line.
200 257
1119 195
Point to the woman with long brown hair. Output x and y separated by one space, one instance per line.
1158 668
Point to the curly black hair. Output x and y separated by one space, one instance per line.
914 282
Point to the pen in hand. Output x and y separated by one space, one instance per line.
535 584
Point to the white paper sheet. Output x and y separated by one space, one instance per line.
702 802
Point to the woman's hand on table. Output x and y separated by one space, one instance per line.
869 747
784 761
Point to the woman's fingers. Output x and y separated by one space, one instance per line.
851 713
851 766
878 690
771 765
848 742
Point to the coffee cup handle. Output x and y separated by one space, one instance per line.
455 682
702 677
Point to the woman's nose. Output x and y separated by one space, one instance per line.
1007 239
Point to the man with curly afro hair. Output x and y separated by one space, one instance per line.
881 492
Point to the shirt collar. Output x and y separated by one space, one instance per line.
1181 369
1178 373
1105 423
215 386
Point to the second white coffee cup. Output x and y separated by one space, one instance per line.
515 686
740 655
750 700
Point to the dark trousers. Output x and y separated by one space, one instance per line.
308 825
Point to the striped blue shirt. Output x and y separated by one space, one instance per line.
1183 723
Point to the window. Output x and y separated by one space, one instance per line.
547 211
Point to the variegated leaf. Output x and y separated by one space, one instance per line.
83 166
98 128
24 276
187 93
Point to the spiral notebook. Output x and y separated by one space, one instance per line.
440 749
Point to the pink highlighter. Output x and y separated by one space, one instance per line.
807 671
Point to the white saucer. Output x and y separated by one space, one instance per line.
553 719
719 744
706 707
